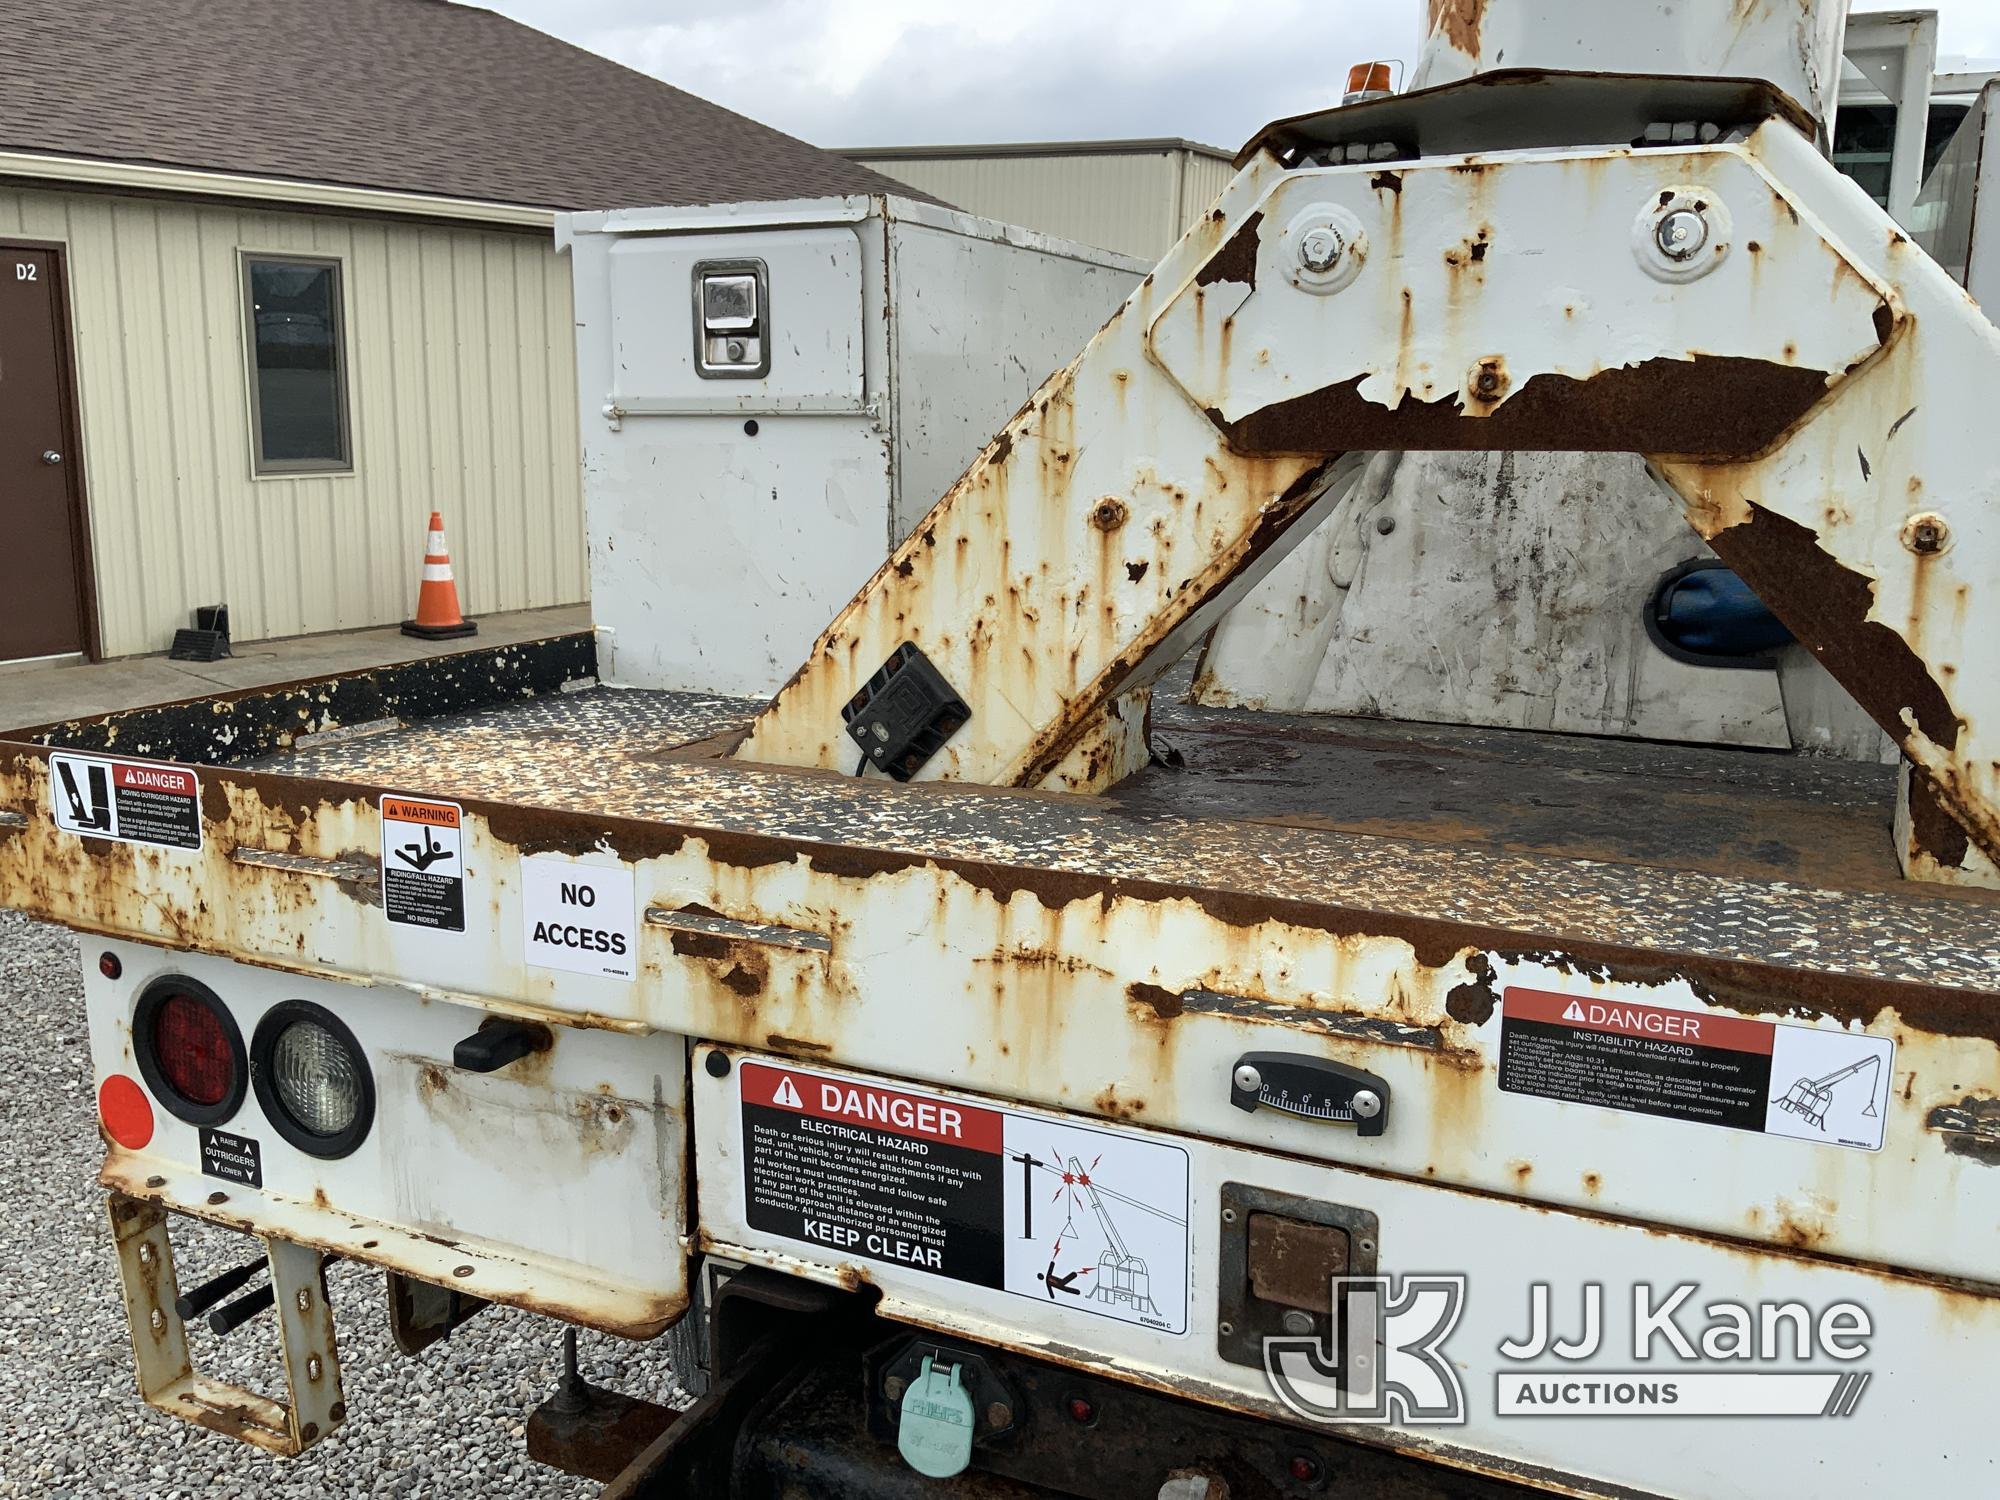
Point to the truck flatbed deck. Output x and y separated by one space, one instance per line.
1604 842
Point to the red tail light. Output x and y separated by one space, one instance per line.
190 1050
193 1050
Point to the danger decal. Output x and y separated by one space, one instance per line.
1829 1087
1093 1221
423 863
130 801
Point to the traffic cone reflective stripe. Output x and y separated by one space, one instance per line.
438 616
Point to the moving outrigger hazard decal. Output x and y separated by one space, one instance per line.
1091 1220
130 801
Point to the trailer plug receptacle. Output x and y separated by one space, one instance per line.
934 1434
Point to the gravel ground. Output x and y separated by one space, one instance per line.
447 1422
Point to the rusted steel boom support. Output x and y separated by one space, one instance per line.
1798 373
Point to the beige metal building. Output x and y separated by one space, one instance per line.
277 279
1135 197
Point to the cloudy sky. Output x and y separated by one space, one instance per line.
895 72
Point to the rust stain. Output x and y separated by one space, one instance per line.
1237 259
1970 1128
1165 1003
1473 1001
1707 407
1826 605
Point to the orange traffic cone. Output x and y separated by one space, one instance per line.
437 597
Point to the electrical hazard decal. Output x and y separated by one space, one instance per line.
423 863
579 917
1828 1087
131 801
1094 1222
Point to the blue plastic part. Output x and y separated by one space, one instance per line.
1712 612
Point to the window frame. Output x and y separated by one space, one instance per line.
296 468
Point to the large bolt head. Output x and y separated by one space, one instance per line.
1682 234
1320 248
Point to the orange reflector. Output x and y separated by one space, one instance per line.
126 1111
1368 78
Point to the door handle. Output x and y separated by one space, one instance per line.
50 456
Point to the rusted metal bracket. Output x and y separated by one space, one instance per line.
1797 373
167 1378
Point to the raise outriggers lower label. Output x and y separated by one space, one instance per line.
1092 1221
1811 1083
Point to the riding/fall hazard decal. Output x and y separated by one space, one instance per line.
1829 1087
1093 1222
131 801
423 863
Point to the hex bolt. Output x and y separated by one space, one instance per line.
157 1322
999 1415
313 1367
1297 1321
1247 1078
147 1254
305 1299
1682 233
1320 248
1926 534
1367 1104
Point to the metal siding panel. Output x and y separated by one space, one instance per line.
460 368
440 396
541 522
1112 200
566 469
190 403
505 482
1203 179
225 373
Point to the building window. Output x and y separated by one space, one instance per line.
298 365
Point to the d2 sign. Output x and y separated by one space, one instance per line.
579 917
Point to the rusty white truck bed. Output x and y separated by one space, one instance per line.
1730 855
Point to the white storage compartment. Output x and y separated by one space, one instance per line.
774 393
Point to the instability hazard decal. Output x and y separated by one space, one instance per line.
131 801
1828 1087
1094 1221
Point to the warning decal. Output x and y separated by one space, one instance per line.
423 863
1831 1087
132 801
1095 1221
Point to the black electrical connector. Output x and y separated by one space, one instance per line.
498 1043
904 714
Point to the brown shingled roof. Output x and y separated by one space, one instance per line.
413 95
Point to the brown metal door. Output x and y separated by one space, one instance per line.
41 511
